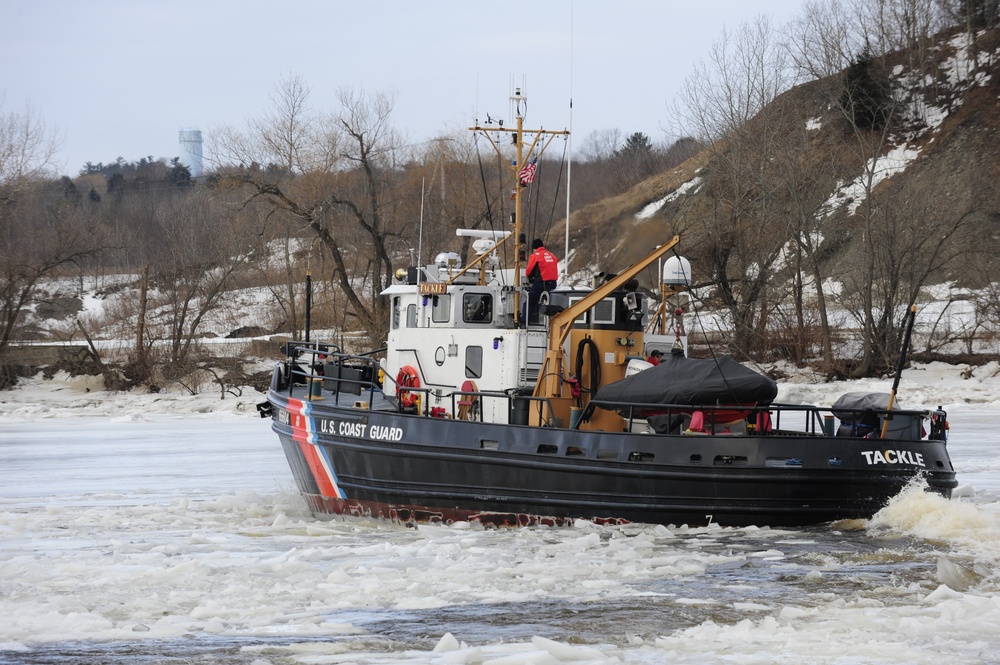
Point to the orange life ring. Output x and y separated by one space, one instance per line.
407 378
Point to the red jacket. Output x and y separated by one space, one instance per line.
546 263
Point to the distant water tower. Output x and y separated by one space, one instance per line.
190 140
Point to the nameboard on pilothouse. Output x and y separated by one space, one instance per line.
433 288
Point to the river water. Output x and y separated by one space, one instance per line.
129 536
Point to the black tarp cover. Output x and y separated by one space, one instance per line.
690 381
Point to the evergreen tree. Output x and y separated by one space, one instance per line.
69 189
180 175
637 146
865 99
634 161
116 185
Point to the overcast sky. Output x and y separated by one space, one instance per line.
122 78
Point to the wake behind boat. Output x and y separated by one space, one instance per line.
475 412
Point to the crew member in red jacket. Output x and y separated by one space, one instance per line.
543 273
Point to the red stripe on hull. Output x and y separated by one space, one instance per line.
301 425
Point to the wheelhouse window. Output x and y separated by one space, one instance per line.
583 317
474 362
441 309
477 307
604 311
395 313
411 316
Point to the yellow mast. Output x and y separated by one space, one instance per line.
522 155
550 383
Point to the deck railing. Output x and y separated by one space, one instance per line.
361 376
312 364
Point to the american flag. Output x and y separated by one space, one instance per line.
527 173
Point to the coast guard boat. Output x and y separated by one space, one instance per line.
470 412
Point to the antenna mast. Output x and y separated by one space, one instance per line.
569 146
528 144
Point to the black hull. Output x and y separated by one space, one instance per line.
408 468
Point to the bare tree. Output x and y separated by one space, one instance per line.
601 144
37 240
829 34
875 60
918 232
457 190
727 104
38 237
333 175
27 151
202 250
